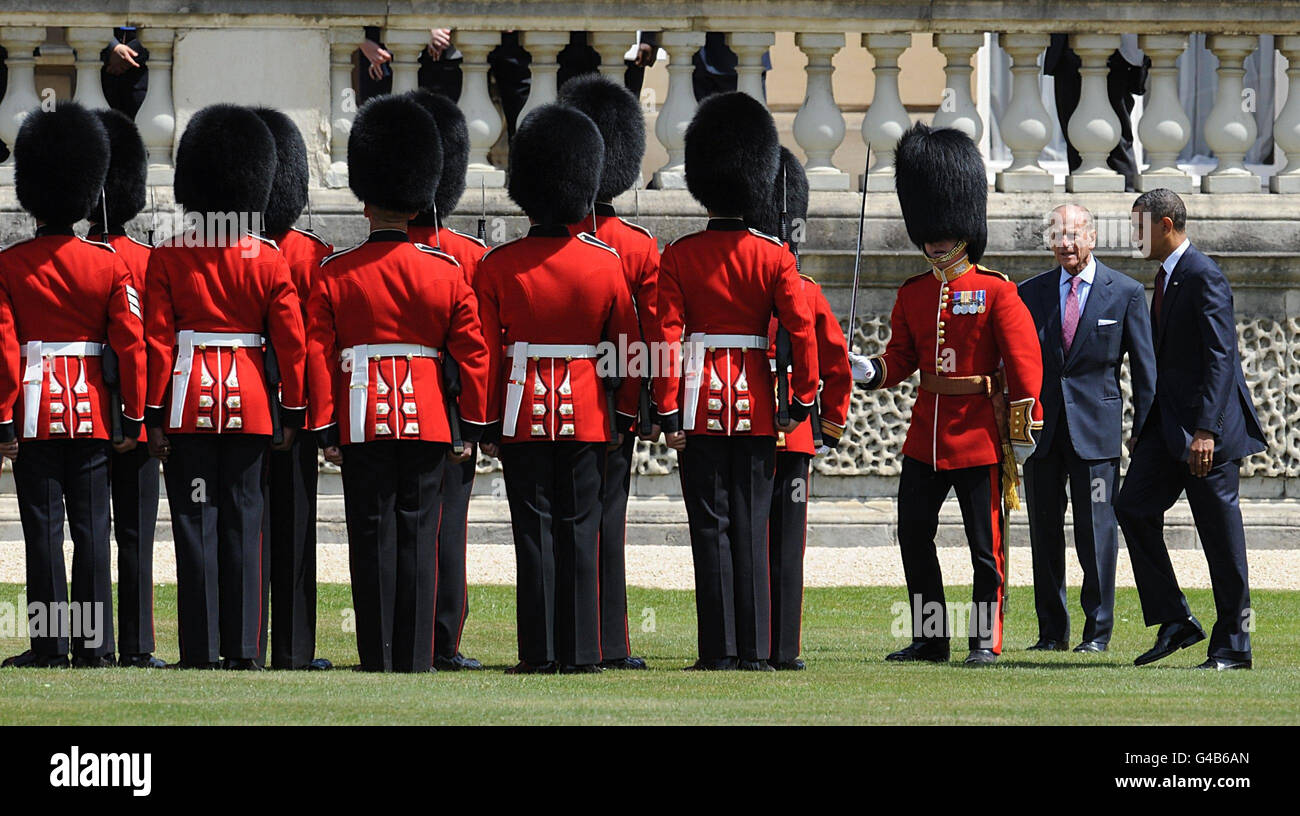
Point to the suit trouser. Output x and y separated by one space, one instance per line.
1153 483
390 496
787 529
135 480
291 511
554 494
216 492
1096 537
615 489
50 475
453 596
921 493
727 484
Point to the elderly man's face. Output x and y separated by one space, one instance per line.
1072 239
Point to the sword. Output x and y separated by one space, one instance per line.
857 256
451 387
482 219
784 349
271 368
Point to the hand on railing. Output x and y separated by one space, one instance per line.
120 59
439 42
377 56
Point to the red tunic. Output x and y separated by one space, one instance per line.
553 288
135 254
729 279
968 326
832 368
384 290
58 288
466 249
246 288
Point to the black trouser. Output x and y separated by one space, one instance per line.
727 484
390 497
1096 536
614 491
49 475
452 604
921 493
216 492
134 478
554 494
787 528
291 507
1153 483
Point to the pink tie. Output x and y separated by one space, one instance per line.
1071 321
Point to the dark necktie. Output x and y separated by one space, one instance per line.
1158 301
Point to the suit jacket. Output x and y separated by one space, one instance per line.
1082 387
1199 381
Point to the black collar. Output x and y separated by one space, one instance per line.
606 209
548 231
54 229
98 230
727 224
389 235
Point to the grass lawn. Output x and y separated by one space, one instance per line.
847 633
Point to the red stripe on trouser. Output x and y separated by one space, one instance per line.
999 553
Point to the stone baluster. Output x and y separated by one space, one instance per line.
886 119
750 48
481 116
678 108
88 43
544 47
612 46
1094 127
343 102
156 118
819 125
1164 127
1286 131
1230 128
1025 126
20 93
957 108
406 45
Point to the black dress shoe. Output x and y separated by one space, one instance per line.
318 664
143 660
755 665
106 661
717 664
1225 664
980 657
929 651
32 660
1046 645
457 662
1095 646
586 668
1171 638
789 665
523 667
205 666
241 664
626 663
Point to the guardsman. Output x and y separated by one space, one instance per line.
452 605
384 316
786 216
216 295
718 289
134 474
559 389
964 327
290 545
64 301
618 116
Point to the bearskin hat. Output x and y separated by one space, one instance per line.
454 134
618 116
789 195
395 154
128 170
225 161
60 161
942 189
555 164
289 187
732 154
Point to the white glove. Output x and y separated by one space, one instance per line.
863 369
822 450
1022 452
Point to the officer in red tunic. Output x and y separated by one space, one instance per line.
428 228
717 292
215 295
786 215
289 546
964 327
63 301
384 316
134 474
617 114
559 389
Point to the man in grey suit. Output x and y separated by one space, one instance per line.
1088 317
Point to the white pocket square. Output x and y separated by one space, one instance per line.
1104 322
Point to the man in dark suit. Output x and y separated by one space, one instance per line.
1088 317
1201 426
